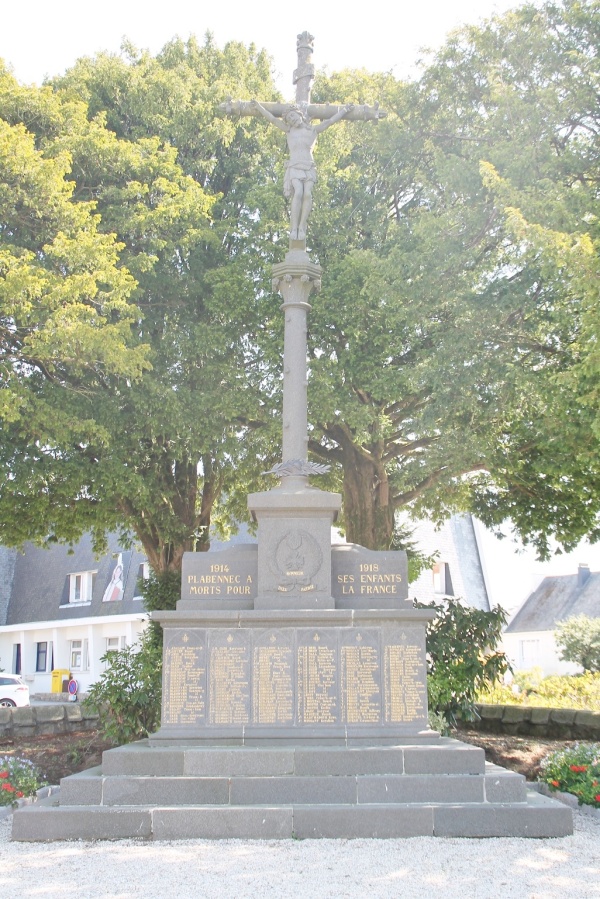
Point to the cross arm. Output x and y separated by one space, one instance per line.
322 111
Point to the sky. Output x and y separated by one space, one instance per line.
40 38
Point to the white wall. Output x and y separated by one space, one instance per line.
92 634
536 649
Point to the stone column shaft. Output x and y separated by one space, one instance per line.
295 279
295 383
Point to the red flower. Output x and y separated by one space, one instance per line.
555 783
8 788
578 769
3 773
20 794
597 798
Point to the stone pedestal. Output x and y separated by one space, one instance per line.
294 546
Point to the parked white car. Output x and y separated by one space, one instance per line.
13 691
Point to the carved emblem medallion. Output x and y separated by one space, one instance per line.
296 560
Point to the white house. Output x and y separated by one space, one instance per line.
529 638
62 610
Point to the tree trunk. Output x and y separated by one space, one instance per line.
368 512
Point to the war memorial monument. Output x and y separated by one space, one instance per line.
294 671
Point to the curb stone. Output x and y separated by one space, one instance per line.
42 793
566 799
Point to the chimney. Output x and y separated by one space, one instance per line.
583 573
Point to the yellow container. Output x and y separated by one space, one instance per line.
58 675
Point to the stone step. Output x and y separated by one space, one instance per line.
537 817
95 789
446 756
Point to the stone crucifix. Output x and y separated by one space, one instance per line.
294 119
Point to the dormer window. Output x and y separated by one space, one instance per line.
442 582
142 575
81 587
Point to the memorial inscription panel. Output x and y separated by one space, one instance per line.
361 577
273 679
361 678
318 676
229 677
215 677
404 678
184 688
225 575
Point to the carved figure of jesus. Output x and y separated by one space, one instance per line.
300 171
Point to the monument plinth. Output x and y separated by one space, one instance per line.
294 671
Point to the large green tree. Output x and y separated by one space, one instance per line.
175 186
455 323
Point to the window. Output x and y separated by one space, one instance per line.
142 575
79 655
16 658
81 587
442 582
529 653
41 661
113 643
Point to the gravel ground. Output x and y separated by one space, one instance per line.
319 869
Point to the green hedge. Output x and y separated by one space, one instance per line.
577 691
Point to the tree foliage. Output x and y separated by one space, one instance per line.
450 338
65 310
141 154
578 639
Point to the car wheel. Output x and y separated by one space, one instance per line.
8 703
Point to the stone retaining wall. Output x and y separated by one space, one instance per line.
565 724
63 718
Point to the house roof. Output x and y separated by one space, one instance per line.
456 543
556 599
41 581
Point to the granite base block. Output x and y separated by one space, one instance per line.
141 758
161 791
253 762
292 790
38 824
82 789
449 756
536 819
231 823
407 788
361 822
503 786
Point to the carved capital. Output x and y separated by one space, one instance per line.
297 267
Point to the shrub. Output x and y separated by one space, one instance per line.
575 770
578 638
462 657
127 696
577 691
18 778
